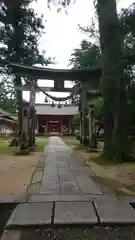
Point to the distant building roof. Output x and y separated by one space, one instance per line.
45 109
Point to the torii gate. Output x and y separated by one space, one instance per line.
59 76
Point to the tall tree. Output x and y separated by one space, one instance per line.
127 32
19 37
113 81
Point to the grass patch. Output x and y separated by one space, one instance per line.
5 138
100 145
5 149
126 164
41 143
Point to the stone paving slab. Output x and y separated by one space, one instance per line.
40 165
82 171
27 214
69 188
37 176
68 184
87 185
34 188
115 211
74 213
64 174
50 192
50 187
69 198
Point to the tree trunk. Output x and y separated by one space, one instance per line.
113 83
120 136
108 120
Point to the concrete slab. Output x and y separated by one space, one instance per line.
87 185
66 198
115 211
68 184
31 214
50 185
69 188
34 188
37 176
50 192
70 198
41 165
82 171
74 213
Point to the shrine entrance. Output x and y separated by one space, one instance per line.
54 127
78 94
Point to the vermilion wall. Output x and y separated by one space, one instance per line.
53 118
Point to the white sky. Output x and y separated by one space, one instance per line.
62 33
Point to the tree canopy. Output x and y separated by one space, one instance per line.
19 37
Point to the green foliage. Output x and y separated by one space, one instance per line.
118 57
87 56
8 105
21 31
7 101
19 36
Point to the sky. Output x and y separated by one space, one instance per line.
62 34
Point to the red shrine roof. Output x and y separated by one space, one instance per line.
45 109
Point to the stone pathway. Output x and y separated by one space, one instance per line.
62 192
63 175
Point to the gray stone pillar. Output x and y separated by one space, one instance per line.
84 110
90 126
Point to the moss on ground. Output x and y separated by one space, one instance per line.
5 149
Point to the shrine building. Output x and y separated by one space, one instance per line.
54 120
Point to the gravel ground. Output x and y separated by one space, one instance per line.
95 233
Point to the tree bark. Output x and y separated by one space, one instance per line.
113 81
108 120
121 143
